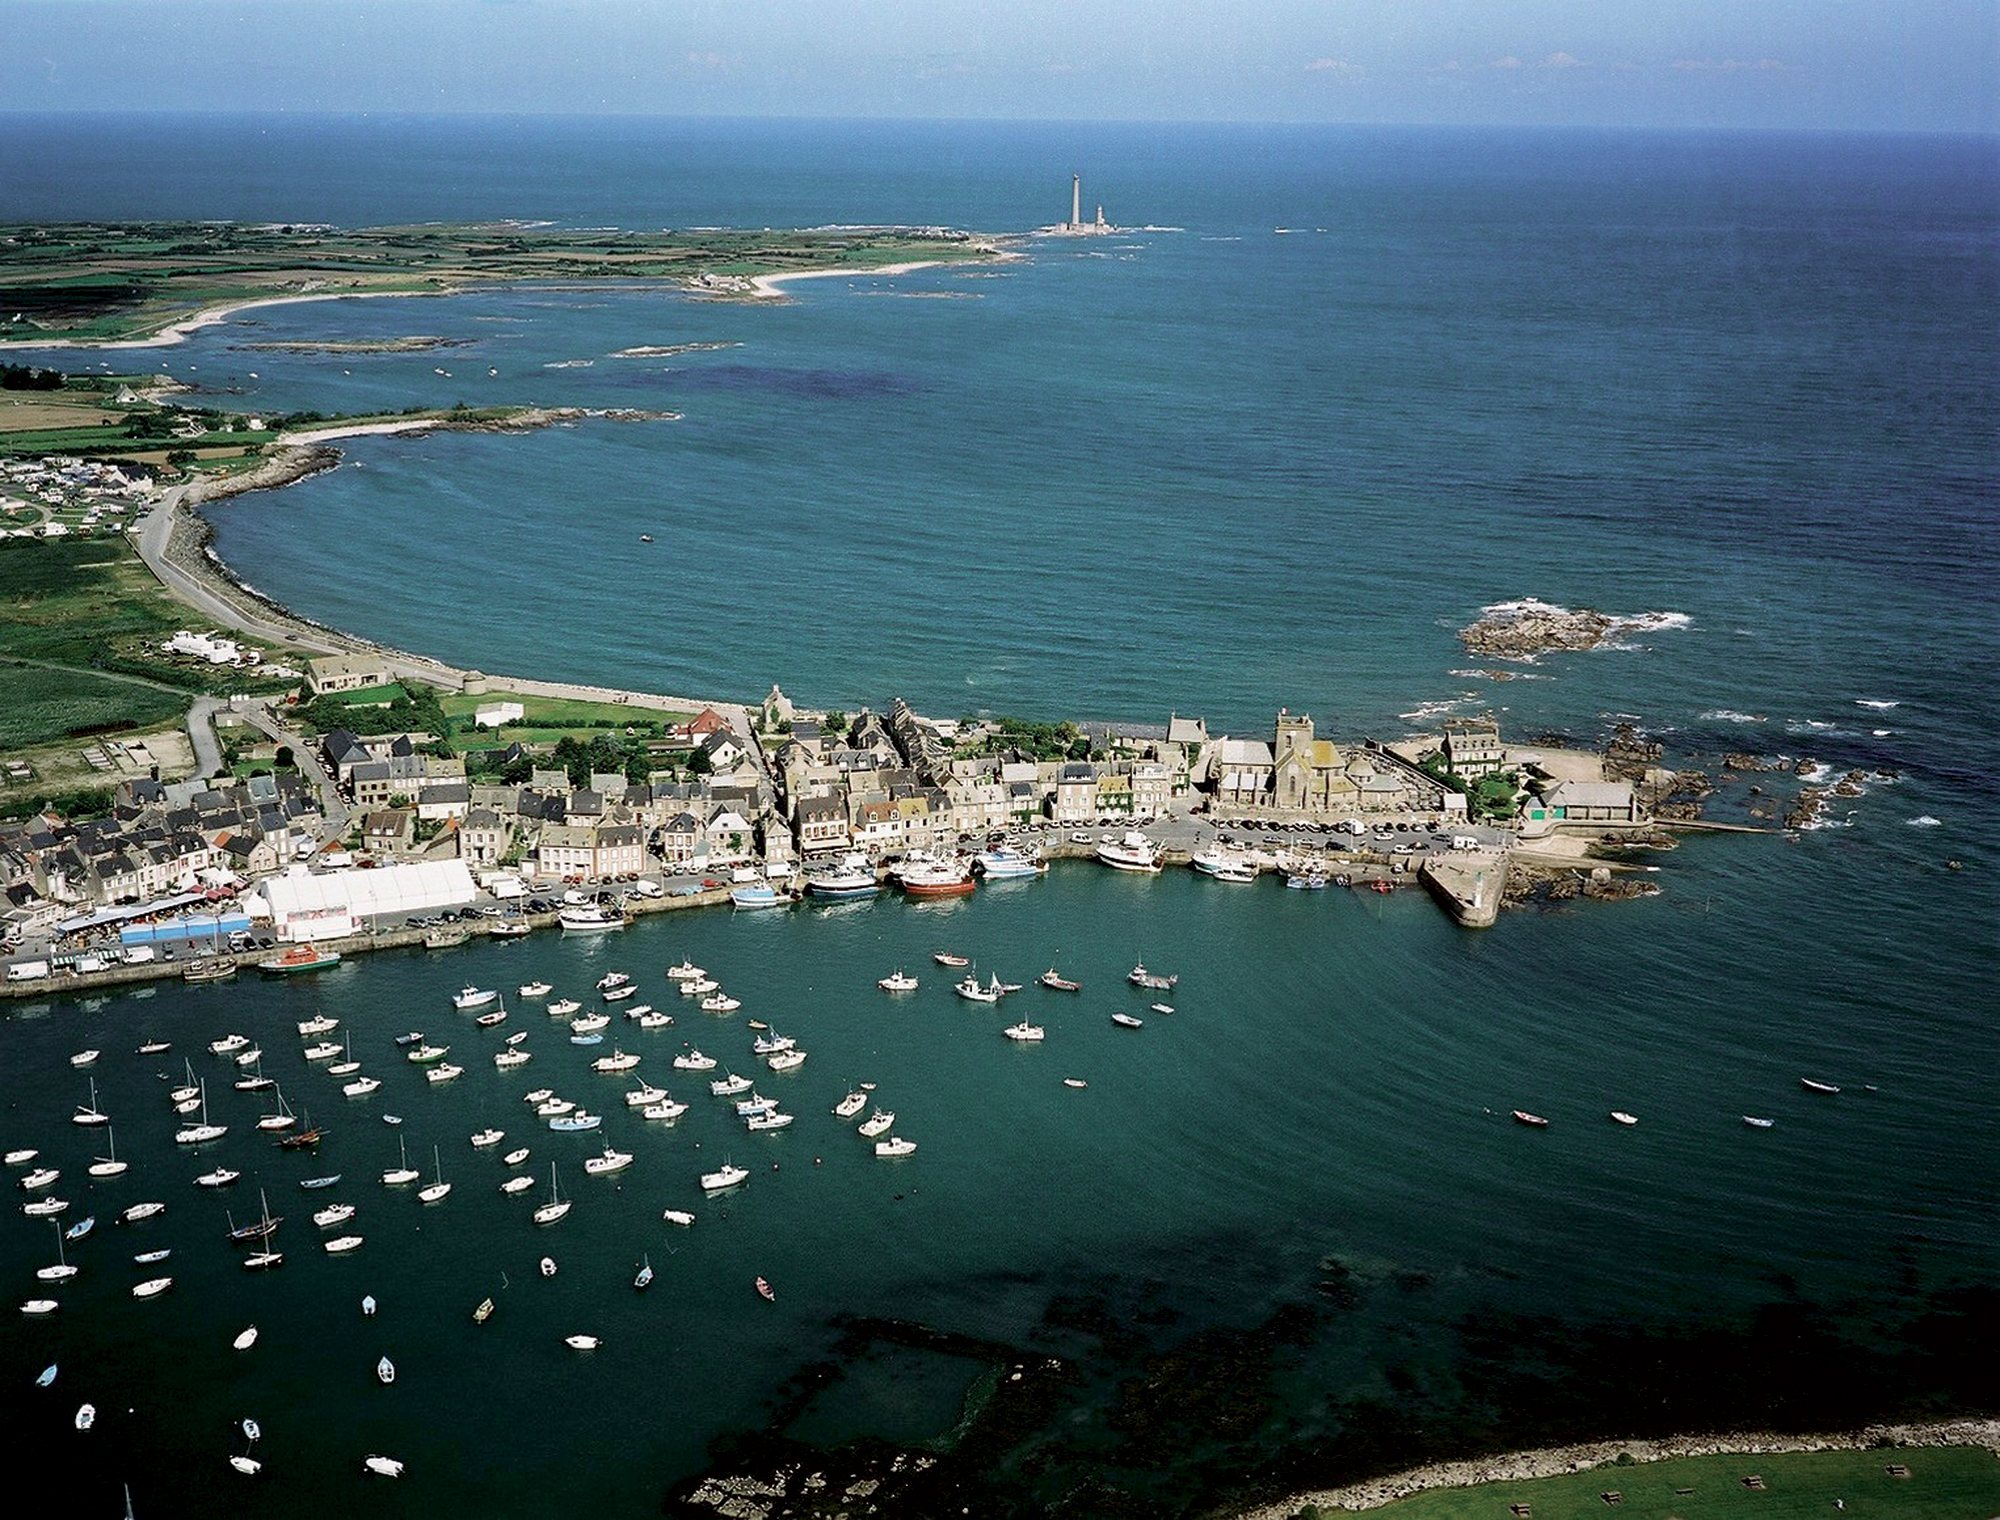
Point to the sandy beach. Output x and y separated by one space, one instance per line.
1553 1461
770 287
209 316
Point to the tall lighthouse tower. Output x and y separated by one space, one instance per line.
1075 202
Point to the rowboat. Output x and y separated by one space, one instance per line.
1619 1116
766 1292
1817 1087
1533 1121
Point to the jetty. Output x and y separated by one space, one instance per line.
1468 886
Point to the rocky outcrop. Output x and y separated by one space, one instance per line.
1521 630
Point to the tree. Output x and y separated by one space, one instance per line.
285 760
698 763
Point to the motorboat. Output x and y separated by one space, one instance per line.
508 1059
766 1292
1135 852
534 989
341 1245
637 1012
86 1416
446 939
771 1044
897 981
680 1217
489 1019
228 1045
539 1095
221 1177
591 1023
894 1147
414 1037
248 1466
1056 982
519 1184
586 1039
1006 861
150 1258
85 1058
1223 865
851 1105
667 1111
756 894
786 1060
969 988
589 918
250 1057
774 1120
720 1002
21 1157
607 1163
686 971
582 1342
368 1306
694 1060
383 1467
209 971
485 1137
938 879
361 1087
139 1212
313 1028
852 877
1619 1116
1076 1082
333 1214
562 1008
152 1287
553 1107
643 1279
156 1047
515 1157
484 1312
878 1123
245 1339
40 1177
549 1213
948 958
616 1062
81 1228
756 1103
1162 1007
424 1054
1128 1021
1756 1123
699 989
1533 1121
517 1037
730 1086
45 1208
620 994
508 928
1307 881
1025 1032
445 1073
723 1179
1139 976
35 1308
330 1180
611 981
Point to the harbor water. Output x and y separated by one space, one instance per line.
1740 388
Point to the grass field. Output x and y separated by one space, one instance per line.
1945 1483
561 714
37 705
369 696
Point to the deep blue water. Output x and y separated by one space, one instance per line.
1750 380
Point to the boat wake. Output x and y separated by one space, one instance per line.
1878 706
1727 715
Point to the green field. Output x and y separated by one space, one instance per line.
1945 1483
368 696
37 705
549 718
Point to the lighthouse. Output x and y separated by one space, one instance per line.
1075 201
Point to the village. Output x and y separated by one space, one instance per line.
315 831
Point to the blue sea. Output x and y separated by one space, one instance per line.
1338 390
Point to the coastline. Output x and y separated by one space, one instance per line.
770 287
1554 1461
180 329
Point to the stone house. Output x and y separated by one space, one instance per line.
485 837
566 849
345 672
389 831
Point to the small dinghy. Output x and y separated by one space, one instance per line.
1755 1123
1128 1021
484 1312
86 1416
246 1339
1817 1087
1074 1082
248 1466
383 1467
645 1278
385 1370
582 1342
46 1376
1619 1116
368 1303
1533 1121
252 1431
766 1292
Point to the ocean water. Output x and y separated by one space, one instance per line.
1745 385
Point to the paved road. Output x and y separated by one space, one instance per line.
305 752
201 733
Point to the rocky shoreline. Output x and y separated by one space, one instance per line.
1527 629
1552 1462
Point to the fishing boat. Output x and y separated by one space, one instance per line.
534 989
445 1073
1139 976
333 1214
694 1060
644 1093
969 988
313 1028
402 1174
591 1024
1026 1033
686 971
698 989
1817 1087
1533 1121
551 1106
142 1211
209 971
766 1292
325 1050
586 1039
897 981
156 1047
515 1157
1619 1116
878 1123
576 1123
1135 852
756 1103
221 1177
85 1058
770 1044
506 1059
109 1166
229 1044
720 1002
385 1371
554 1209
729 1086
445 939
851 1105
341 1245
851 877
414 1037
938 879
424 1054
1006 862
609 1162
89 1114
439 1190
508 928
202 1133
383 1467
1056 982
361 1087
296 959
589 918
562 1008
1128 1021
772 1119
481 1139
472 997
644 1279
723 1179
947 958
756 894
894 1147
786 1060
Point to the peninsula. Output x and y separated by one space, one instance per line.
151 283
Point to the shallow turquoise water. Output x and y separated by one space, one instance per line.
1751 380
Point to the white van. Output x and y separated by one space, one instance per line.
1465 842
27 971
647 888
138 955
85 963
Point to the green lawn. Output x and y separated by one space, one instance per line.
38 705
560 714
1945 1483
369 696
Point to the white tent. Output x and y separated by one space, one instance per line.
305 906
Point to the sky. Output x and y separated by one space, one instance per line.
1899 65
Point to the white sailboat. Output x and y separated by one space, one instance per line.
440 1189
202 1133
109 1166
89 1114
556 1207
403 1174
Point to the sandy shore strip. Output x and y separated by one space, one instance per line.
1555 1461
179 331
771 287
